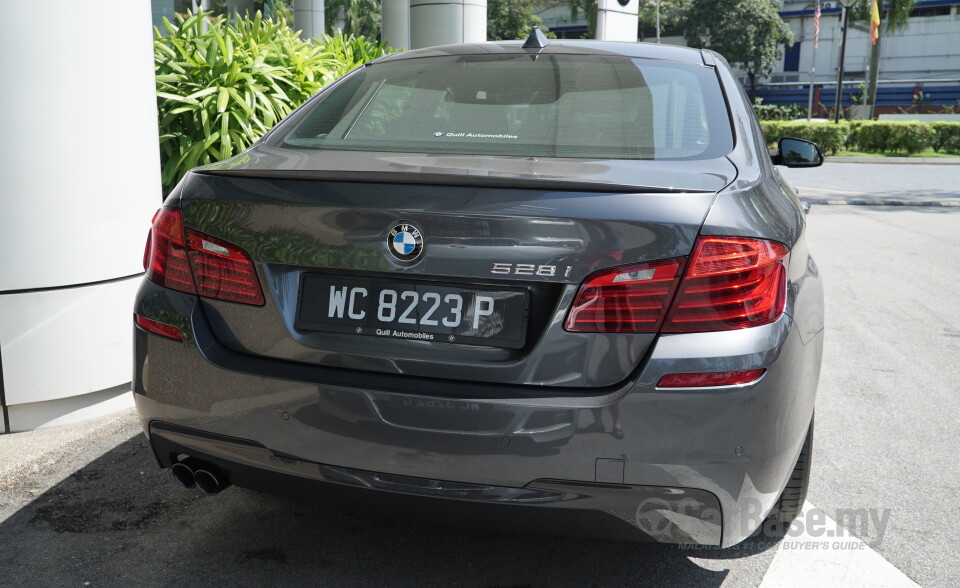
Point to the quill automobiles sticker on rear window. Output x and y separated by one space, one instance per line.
466 135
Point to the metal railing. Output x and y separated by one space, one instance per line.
858 82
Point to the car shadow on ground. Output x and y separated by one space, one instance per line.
122 520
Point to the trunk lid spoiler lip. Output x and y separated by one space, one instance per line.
582 175
450 180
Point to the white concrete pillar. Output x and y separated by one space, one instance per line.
308 18
395 23
617 20
79 182
442 22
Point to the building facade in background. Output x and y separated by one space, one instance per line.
919 65
928 49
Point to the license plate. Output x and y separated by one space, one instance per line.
419 311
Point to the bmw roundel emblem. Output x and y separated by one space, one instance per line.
405 242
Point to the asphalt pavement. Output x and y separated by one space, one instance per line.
95 510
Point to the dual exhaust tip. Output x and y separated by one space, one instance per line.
191 472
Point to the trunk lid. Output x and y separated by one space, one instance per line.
557 221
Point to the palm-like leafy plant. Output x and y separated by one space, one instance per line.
221 87
347 53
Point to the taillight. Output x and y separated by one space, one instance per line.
731 283
630 299
223 270
193 262
165 259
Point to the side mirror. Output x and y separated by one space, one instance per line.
798 153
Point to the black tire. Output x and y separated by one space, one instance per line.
790 503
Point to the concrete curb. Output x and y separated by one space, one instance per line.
31 452
895 160
866 202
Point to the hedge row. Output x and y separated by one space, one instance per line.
870 136
947 137
830 137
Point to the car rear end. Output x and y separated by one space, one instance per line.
451 278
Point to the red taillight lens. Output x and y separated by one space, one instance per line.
165 258
158 328
732 283
223 270
630 299
700 380
201 264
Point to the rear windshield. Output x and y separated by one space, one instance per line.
583 106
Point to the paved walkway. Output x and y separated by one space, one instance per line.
897 160
881 183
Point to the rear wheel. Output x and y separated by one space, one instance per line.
790 503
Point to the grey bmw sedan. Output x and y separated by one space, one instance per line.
555 286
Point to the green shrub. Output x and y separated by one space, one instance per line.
947 137
892 136
867 136
829 136
348 53
773 131
222 85
778 111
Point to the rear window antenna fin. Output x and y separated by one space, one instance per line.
536 40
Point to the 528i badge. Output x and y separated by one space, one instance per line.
529 269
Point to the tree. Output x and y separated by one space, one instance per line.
749 33
894 16
670 12
359 17
510 19
589 9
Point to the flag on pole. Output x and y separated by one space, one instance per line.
874 23
816 25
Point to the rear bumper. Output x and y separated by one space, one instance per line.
608 511
692 466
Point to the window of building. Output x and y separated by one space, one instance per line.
930 11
